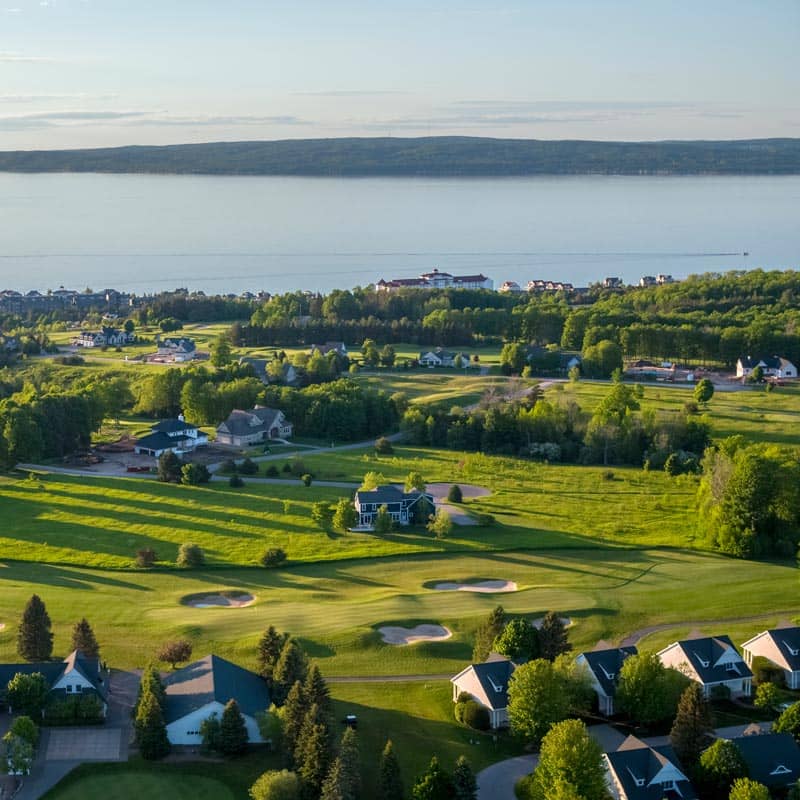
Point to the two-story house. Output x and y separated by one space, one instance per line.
401 505
603 665
171 434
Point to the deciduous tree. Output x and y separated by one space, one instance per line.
518 641
745 789
720 766
276 785
487 632
649 692
175 652
345 516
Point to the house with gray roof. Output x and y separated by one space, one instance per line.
771 366
75 676
177 348
259 424
781 646
201 689
638 771
442 358
773 759
170 434
603 665
487 684
402 506
711 661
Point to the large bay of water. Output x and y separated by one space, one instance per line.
229 234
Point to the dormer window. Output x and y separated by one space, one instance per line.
636 779
792 650
703 662
731 667
780 770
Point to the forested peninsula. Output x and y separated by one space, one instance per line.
442 156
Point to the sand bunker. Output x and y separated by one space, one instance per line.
486 587
219 600
537 623
2 625
422 633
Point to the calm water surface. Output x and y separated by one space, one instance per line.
228 234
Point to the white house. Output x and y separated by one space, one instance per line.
603 666
177 348
781 646
442 358
771 366
436 280
171 434
487 684
106 337
711 661
202 689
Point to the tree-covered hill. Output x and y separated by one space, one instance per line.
426 156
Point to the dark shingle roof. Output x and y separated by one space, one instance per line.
703 654
787 640
89 668
384 495
244 423
606 664
494 677
636 765
772 758
214 679
160 441
751 362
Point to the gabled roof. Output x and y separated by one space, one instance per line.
160 441
244 423
488 682
172 426
645 772
606 664
183 342
772 758
52 671
709 656
384 495
214 679
769 362
785 646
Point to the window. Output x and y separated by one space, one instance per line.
69 688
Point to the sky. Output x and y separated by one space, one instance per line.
95 73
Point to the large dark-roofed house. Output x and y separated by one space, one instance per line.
781 646
400 505
259 424
772 759
76 675
641 772
604 665
170 434
203 688
487 684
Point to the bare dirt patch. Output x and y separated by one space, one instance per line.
566 621
485 587
393 634
223 599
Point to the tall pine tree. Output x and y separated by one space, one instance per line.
292 666
233 736
390 781
693 727
83 639
433 784
269 651
35 639
151 732
151 682
344 778
487 632
465 787
316 690
313 753
553 637
293 715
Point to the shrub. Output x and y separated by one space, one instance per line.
307 478
765 671
272 471
476 716
455 494
235 481
248 467
297 467
190 555
383 447
228 466
85 709
274 557
26 729
287 467
194 474
607 475
146 557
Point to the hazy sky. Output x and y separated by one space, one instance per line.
87 73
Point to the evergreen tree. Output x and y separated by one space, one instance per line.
293 715
487 632
693 726
83 639
344 778
390 781
35 639
553 637
464 784
150 682
316 691
151 732
269 651
169 467
292 666
233 736
313 753
433 784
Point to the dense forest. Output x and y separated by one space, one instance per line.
425 156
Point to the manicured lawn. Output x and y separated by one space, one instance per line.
185 781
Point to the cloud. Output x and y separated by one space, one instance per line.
21 58
350 93
52 119
50 98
